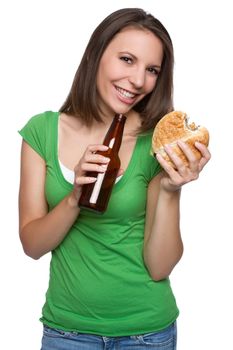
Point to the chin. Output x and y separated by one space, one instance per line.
123 108
117 110
117 107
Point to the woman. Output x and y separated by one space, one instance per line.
109 275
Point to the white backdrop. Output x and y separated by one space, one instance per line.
41 44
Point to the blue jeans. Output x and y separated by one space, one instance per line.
54 339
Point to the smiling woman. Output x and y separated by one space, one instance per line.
84 102
109 274
128 69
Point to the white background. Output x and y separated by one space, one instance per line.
41 45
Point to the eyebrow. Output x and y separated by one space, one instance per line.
135 57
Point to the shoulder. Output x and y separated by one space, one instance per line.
71 122
145 143
39 124
36 130
42 118
148 162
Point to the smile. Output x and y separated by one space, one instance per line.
125 93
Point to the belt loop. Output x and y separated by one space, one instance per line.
105 339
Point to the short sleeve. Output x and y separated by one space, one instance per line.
34 133
155 167
149 163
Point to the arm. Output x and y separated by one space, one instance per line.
163 245
42 231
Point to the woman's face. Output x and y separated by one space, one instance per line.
128 69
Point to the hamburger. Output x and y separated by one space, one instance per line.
173 127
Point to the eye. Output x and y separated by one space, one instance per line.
126 59
153 70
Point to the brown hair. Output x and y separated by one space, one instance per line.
82 100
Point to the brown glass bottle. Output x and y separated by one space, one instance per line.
95 196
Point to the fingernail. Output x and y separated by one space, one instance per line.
103 167
167 147
181 142
92 179
158 156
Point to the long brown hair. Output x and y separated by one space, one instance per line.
82 100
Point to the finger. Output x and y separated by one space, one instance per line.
99 168
186 150
193 162
177 161
202 163
190 171
174 176
96 158
165 165
203 149
206 155
95 148
83 180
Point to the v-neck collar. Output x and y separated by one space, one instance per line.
68 185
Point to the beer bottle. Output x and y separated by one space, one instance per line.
95 196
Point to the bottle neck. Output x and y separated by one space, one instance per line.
114 135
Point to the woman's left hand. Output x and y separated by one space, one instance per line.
174 179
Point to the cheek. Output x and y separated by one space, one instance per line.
105 76
150 84
101 75
101 84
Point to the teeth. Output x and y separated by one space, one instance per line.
125 93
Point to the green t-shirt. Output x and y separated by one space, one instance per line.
98 281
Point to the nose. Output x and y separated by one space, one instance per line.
137 77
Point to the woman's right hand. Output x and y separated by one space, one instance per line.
89 162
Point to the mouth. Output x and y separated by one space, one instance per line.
192 126
126 94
